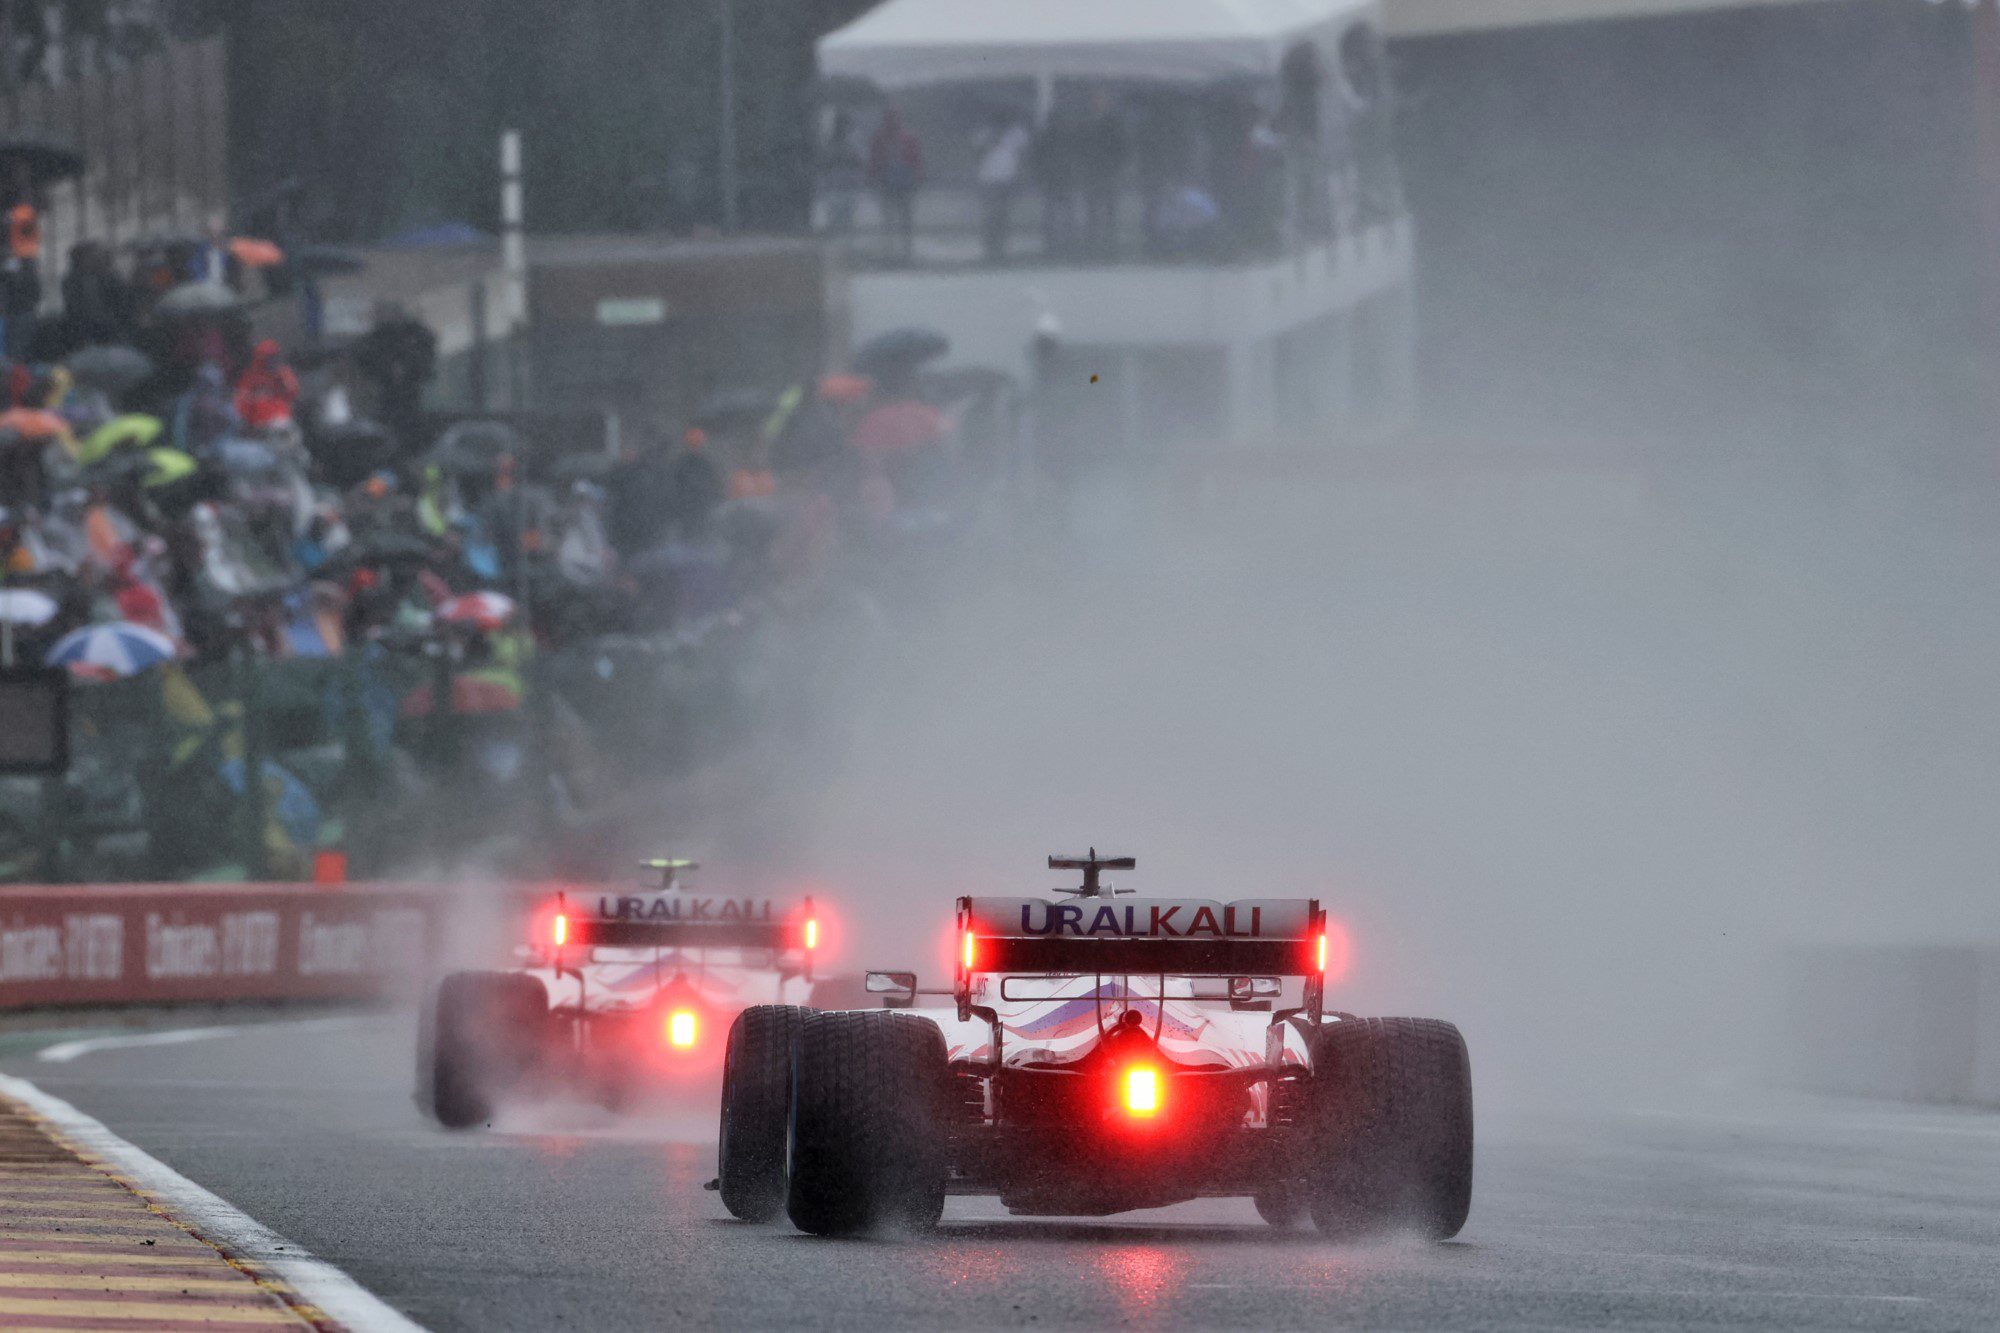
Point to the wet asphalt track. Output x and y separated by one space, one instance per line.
1800 1215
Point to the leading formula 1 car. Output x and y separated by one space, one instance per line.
1103 1054
619 992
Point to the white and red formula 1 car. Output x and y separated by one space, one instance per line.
618 993
1103 1053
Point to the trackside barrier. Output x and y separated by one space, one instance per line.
179 943
1910 1022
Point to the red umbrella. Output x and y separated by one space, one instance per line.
484 611
33 424
253 252
898 428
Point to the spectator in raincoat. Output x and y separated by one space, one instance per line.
22 265
399 357
896 170
205 415
267 390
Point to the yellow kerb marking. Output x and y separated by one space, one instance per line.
144 1224
84 1231
142 1313
106 1282
167 1232
201 1258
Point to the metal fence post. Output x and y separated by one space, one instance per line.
249 700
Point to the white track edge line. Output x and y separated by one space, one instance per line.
313 1280
65 1051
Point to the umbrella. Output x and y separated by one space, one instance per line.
167 466
900 349
25 606
32 424
896 428
126 465
475 446
113 369
325 261
121 648
135 429
46 160
845 388
383 548
199 298
733 407
151 468
485 611
251 252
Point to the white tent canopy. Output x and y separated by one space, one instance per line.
905 43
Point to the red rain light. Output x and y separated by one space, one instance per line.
812 932
559 930
682 1029
1142 1091
965 950
1333 951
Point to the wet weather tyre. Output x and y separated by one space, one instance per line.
486 1034
756 1110
867 1140
1283 1206
1391 1113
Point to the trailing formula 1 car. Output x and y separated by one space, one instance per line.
1103 1054
618 993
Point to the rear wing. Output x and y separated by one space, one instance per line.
587 932
566 928
1192 937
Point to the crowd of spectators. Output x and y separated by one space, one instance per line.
160 467
181 499
1107 172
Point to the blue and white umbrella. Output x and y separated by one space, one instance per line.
121 648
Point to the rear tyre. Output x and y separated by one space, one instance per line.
1392 1119
756 1110
487 1032
1282 1206
867 1127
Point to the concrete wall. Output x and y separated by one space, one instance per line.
1911 1022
